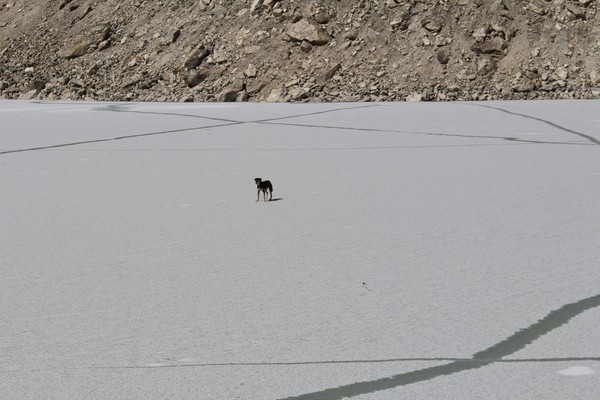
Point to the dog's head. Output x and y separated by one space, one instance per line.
257 180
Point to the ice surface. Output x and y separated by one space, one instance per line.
136 263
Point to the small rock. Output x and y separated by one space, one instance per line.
305 46
242 96
37 84
486 66
352 35
85 11
255 88
196 58
219 11
228 95
175 35
332 71
77 83
256 6
548 87
275 96
94 68
481 33
29 95
561 73
291 83
194 78
523 87
128 83
303 30
237 86
103 44
442 57
536 8
414 97
433 26
81 44
494 47
322 17
250 71
251 49
577 11
298 94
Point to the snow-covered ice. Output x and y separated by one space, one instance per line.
415 250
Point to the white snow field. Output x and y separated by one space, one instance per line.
414 251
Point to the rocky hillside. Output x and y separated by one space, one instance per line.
299 50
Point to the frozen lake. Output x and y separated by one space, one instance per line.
415 251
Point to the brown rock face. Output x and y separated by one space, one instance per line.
300 50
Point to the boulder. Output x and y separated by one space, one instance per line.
194 78
432 26
442 57
196 58
322 16
275 96
304 30
228 95
80 45
331 71
494 47
255 88
523 87
250 71
85 11
576 10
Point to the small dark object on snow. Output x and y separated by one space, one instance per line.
263 186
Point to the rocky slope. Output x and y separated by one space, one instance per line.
299 50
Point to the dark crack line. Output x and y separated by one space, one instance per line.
296 149
70 144
266 120
507 138
492 354
590 138
271 121
120 109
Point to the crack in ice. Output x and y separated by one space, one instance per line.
272 121
458 135
590 138
491 355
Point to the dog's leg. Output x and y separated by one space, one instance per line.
257 195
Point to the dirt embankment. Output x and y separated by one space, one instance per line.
297 50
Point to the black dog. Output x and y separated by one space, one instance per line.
263 186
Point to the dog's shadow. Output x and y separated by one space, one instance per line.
277 199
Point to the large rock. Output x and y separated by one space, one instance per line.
194 78
196 58
494 47
304 30
275 96
81 44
